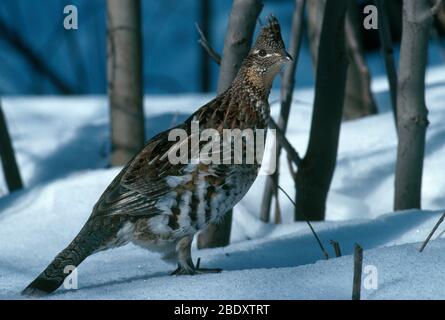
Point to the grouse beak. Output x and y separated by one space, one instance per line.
287 57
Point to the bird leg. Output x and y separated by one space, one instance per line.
185 262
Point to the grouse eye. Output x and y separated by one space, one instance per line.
262 53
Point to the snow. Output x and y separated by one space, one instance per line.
62 148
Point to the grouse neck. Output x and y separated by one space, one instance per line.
251 82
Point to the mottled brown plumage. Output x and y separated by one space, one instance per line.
160 205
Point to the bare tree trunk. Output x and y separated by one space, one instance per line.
205 18
238 39
125 87
237 44
317 167
287 88
388 53
411 109
9 163
358 101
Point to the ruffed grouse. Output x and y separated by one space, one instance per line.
159 205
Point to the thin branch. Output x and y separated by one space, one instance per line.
291 167
260 22
358 263
436 6
441 234
359 100
274 178
278 218
9 163
388 54
336 247
427 14
355 47
205 17
39 64
207 46
285 143
325 254
432 232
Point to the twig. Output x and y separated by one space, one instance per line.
207 46
325 254
432 232
336 246
388 54
358 263
174 119
260 22
7 157
40 64
294 100
278 218
358 63
286 144
435 7
274 178
354 46
293 173
205 17
426 15
441 234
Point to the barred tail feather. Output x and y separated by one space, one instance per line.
53 276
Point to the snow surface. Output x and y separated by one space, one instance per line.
62 149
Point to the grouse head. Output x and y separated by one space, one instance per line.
267 56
